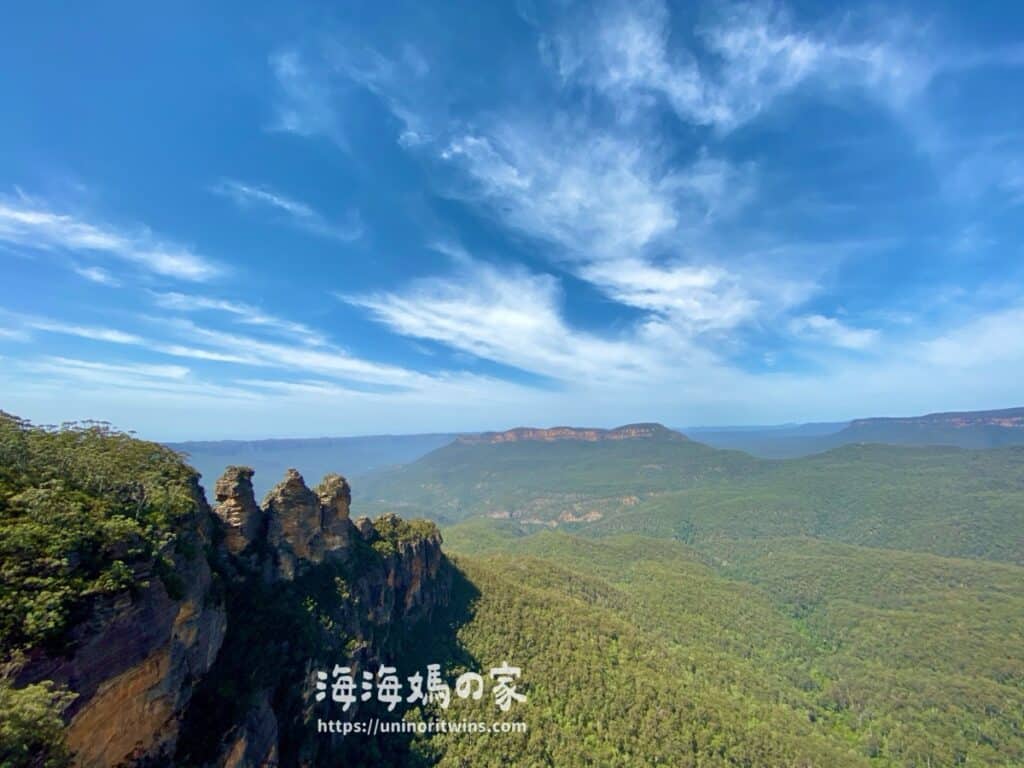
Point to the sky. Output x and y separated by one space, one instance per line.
239 221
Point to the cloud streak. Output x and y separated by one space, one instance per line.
33 225
750 55
507 316
296 212
834 332
242 312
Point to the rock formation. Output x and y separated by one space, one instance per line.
237 510
335 498
136 658
383 576
294 529
145 663
586 434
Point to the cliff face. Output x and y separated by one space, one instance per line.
590 435
1008 418
134 661
307 588
248 600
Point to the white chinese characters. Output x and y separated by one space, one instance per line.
387 688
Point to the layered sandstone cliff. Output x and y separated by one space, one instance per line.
585 434
247 599
307 588
134 661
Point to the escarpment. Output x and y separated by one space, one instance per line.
205 656
584 434
306 588
133 659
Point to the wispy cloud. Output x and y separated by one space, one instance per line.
990 339
13 334
161 383
305 103
298 213
749 55
834 332
244 313
33 225
97 275
182 338
314 84
174 372
94 333
508 316
185 339
600 197
323 360
626 220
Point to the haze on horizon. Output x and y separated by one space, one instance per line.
251 223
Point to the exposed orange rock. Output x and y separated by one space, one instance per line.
585 434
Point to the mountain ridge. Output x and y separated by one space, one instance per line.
637 431
1012 418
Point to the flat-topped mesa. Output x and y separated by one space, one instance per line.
237 509
585 434
1006 418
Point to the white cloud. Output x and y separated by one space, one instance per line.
30 224
201 343
245 313
595 197
834 332
164 383
305 105
94 333
697 299
621 218
508 316
313 86
299 213
749 55
174 372
13 334
991 339
97 275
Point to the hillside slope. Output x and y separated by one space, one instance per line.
141 627
962 429
784 652
943 500
542 480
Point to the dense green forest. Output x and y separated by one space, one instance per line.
79 506
943 500
782 652
732 612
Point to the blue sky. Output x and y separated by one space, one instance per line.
247 221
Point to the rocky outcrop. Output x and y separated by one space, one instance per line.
335 499
294 529
135 660
306 527
279 588
236 508
313 589
411 561
590 435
